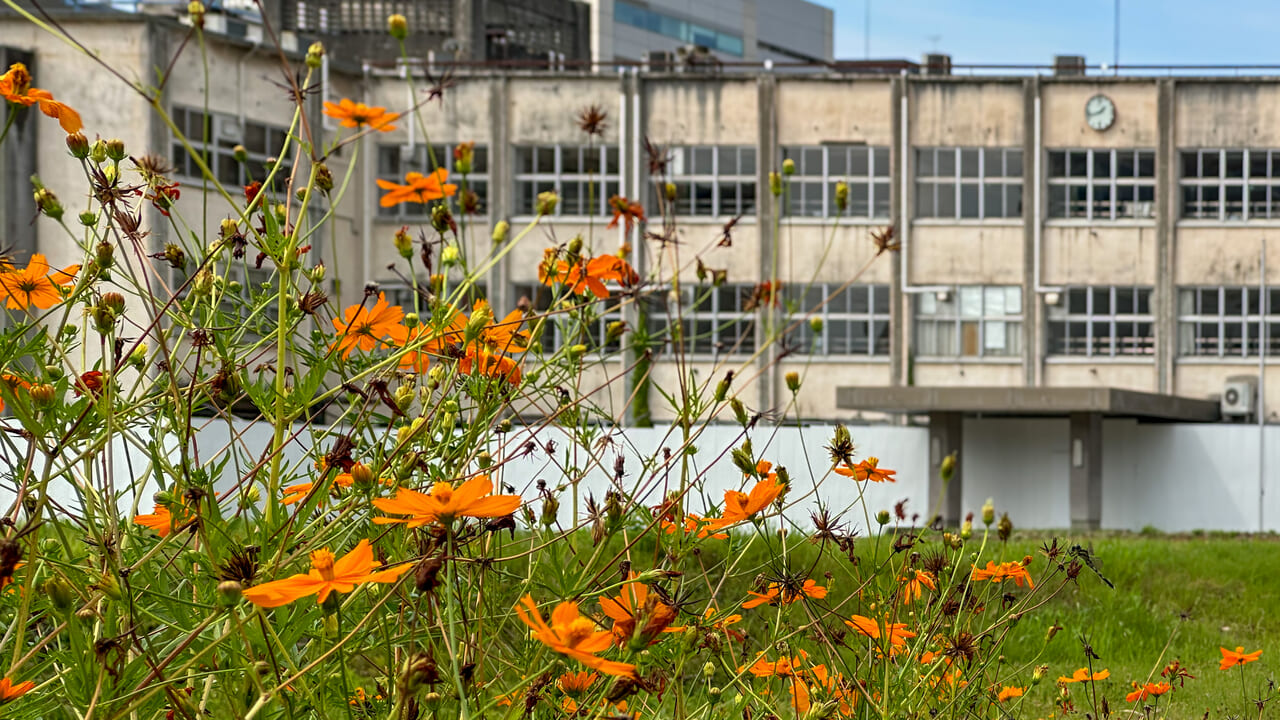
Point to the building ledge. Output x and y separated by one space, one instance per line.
1028 401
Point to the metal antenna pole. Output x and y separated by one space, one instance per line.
1115 41
866 31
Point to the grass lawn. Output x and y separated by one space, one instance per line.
1175 597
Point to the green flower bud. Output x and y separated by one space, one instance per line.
882 517
398 26
842 196
788 167
775 183
88 218
229 592
78 145
315 55
793 381
115 149
500 232
547 201
98 151
988 512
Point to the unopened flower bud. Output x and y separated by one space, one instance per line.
722 387
793 381
480 319
315 54
175 256
59 592
550 510
670 191
42 394
547 201
195 11
98 151
114 301
504 426
484 460
109 586
115 149
78 145
739 411
948 468
463 155
775 183
48 203
398 26
411 320
882 517
361 476
988 512
324 178
788 167
88 218
105 254
240 153
966 529
576 351
575 245
500 232
842 196
229 592
449 256
403 242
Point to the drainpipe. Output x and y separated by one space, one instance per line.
1262 380
1038 207
904 156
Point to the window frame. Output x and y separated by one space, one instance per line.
660 317
679 171
956 317
216 153
831 294
554 335
1091 317
933 182
1246 320
607 184
805 177
1246 181
1113 182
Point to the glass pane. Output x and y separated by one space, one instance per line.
946 199
1209 165
1146 164
1190 164
946 163
545 160
859 203
572 162
880 162
702 161
1013 201
1101 164
969 200
1101 301
993 200
1077 164
1013 163
1013 300
1235 164
1258 163
994 337
1057 201
880 207
1078 301
1124 301
729 161
969 163
747 160
992 163
924 161
812 164
925 206
970 297
1057 164
1125 165
838 161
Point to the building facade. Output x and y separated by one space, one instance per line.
1071 231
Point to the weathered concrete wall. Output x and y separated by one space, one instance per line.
1099 255
948 113
811 112
1064 126
1002 371
1225 255
701 111
1119 373
1227 113
971 254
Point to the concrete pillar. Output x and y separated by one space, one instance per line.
946 435
1085 456
768 158
1164 304
501 294
17 163
898 306
1033 345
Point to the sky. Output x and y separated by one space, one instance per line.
1152 32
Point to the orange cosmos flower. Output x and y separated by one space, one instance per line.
782 667
423 342
1146 690
353 114
1239 657
723 624
1004 571
1008 693
590 276
11 384
573 635
163 521
896 633
1082 675
913 587
418 188
635 606
327 575
10 691
739 506
690 524
365 327
780 594
868 470
445 502
624 209
486 354
35 284
15 86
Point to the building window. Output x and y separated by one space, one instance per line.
584 178
1230 184
1102 322
968 183
713 321
395 161
712 181
855 320
970 321
1226 321
1102 184
224 133
676 29
811 191
559 329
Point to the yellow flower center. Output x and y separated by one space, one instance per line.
578 631
322 562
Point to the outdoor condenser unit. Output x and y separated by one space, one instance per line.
1239 396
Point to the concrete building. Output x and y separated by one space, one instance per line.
1073 245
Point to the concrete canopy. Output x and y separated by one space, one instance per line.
1028 401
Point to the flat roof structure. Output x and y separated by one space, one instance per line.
1084 407
1029 401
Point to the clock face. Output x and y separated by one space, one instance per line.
1100 112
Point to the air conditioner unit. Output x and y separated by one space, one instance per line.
1239 396
936 64
659 60
227 128
1053 299
943 296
